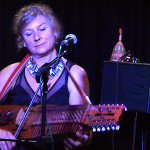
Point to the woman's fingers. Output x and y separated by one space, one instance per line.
6 145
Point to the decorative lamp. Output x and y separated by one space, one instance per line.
119 49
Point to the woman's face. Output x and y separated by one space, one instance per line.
38 36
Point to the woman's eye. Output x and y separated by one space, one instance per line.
42 29
28 33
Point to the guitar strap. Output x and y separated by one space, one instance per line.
13 77
76 84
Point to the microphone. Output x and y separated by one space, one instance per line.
70 39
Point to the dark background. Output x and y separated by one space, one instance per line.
96 24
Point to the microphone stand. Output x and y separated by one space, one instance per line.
43 73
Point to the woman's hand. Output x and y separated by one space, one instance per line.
82 140
6 145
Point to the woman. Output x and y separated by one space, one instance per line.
38 30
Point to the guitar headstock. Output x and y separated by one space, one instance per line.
104 117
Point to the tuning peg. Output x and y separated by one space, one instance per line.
109 109
101 110
113 127
94 129
117 127
103 129
98 129
108 128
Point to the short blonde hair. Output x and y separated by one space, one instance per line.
29 12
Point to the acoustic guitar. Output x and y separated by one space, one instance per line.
61 119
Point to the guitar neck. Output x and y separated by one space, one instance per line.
66 119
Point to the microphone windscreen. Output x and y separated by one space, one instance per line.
71 38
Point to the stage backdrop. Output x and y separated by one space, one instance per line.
96 24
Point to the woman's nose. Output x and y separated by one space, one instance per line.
37 36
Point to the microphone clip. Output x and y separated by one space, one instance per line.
129 57
123 56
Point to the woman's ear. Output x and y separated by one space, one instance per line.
24 44
55 34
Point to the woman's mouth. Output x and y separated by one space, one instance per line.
39 45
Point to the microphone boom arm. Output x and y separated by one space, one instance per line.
47 66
